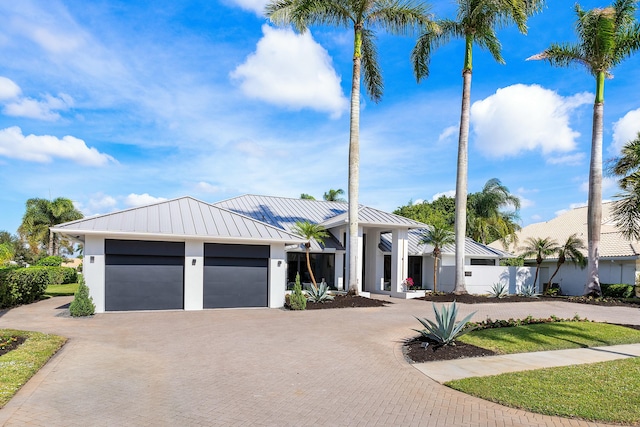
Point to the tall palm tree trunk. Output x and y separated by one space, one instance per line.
461 177
535 278
50 247
558 265
594 209
313 278
435 275
354 162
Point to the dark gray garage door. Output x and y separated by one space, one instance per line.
144 275
235 276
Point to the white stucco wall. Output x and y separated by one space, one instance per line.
93 269
572 278
483 277
193 275
277 275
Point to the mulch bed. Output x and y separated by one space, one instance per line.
10 343
345 301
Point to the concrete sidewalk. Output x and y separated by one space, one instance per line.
447 370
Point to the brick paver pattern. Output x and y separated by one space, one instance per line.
256 367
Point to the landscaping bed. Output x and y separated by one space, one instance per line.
485 299
347 301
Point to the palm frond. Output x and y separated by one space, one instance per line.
626 213
372 74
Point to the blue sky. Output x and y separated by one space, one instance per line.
115 104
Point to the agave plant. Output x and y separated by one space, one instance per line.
499 290
445 329
528 290
319 294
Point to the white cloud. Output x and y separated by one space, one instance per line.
569 159
446 134
520 118
450 193
135 200
624 130
42 110
45 148
608 183
98 203
293 71
205 187
8 89
256 6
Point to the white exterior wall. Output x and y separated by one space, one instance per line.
572 278
373 276
277 275
399 260
93 269
339 280
193 275
483 277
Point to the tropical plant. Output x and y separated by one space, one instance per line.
306 196
297 300
488 218
476 23
606 36
320 294
570 250
437 236
310 231
626 209
499 290
6 253
440 212
334 195
40 215
445 329
82 304
540 248
528 290
363 17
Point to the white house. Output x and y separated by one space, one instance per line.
619 257
188 254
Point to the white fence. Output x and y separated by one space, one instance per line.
479 279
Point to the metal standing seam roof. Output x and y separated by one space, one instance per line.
472 248
612 243
285 212
183 216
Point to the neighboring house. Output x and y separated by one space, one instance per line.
188 254
619 257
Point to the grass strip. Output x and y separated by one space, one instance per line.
19 365
61 290
605 391
551 336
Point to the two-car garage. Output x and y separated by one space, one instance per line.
149 275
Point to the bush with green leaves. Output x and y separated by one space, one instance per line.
499 290
297 300
617 290
320 294
82 304
528 290
25 285
529 320
445 330
50 261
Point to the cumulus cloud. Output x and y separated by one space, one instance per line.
521 117
446 134
569 159
98 203
8 89
42 110
624 130
450 193
256 6
293 71
46 148
134 200
205 187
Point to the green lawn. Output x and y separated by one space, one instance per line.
551 336
17 366
61 290
606 392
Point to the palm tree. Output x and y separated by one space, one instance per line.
477 22
306 196
605 38
334 195
437 236
362 16
487 218
310 231
571 250
541 248
40 215
626 210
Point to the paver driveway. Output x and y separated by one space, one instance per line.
261 367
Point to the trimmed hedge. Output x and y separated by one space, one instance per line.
50 261
617 290
26 285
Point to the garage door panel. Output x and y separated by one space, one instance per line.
236 262
144 287
227 286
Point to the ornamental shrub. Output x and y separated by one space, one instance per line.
25 285
618 290
297 300
50 261
82 304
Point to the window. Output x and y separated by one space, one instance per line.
323 266
483 261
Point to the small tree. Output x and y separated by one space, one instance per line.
297 300
541 248
310 231
438 236
571 251
82 304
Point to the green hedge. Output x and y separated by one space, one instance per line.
26 285
50 261
617 290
